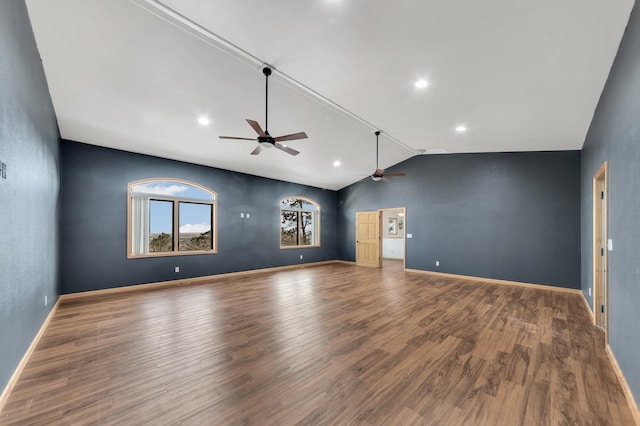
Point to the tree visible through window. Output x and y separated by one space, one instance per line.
170 217
299 223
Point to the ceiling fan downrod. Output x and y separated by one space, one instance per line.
377 154
267 72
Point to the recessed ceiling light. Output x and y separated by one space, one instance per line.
203 121
421 84
337 163
461 129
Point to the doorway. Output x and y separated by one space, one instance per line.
380 238
393 238
600 250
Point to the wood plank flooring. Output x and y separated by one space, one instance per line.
334 344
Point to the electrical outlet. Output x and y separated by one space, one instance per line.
301 256
177 269
437 263
589 291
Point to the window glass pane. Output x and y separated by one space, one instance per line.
160 226
297 203
287 203
306 228
307 205
299 222
289 228
195 227
172 189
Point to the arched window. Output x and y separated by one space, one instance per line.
299 223
170 217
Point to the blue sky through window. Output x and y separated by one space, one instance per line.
160 217
195 217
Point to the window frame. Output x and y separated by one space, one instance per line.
317 215
176 200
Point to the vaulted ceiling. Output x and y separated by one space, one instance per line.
137 74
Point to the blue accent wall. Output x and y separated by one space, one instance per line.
511 216
94 220
29 145
614 136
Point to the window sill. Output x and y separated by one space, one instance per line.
171 253
297 247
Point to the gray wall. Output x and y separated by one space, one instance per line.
29 144
512 216
93 223
614 136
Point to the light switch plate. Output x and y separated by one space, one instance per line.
409 235
610 244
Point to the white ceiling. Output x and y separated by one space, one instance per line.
135 75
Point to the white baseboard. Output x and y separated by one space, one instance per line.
495 281
625 386
23 362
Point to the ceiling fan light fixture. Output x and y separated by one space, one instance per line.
421 83
376 178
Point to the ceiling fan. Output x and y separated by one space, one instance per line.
379 174
264 139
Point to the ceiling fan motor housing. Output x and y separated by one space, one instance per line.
266 141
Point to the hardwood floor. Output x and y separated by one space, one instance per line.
334 344
397 264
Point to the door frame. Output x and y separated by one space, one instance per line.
600 296
404 237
